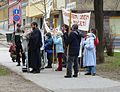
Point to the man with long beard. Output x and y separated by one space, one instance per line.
35 43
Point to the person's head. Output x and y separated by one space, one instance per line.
18 25
34 25
59 33
94 31
65 28
91 35
74 27
48 35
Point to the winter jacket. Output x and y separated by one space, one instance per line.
89 54
49 45
74 40
59 44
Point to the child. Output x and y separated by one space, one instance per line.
48 49
59 48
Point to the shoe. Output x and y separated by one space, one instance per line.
58 69
18 65
37 71
64 66
87 73
75 75
48 67
32 71
42 68
93 74
68 76
13 60
23 64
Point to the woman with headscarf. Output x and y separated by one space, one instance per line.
89 54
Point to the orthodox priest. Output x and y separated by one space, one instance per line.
35 43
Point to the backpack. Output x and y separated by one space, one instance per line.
96 41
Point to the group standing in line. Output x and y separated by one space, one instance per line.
67 46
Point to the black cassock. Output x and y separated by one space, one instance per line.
35 43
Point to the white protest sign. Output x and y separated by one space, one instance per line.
49 8
82 19
71 6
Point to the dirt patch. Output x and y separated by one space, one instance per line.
15 83
111 67
114 75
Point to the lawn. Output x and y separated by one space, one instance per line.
111 67
4 71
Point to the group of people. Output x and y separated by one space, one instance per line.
65 43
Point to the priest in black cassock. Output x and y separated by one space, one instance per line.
35 43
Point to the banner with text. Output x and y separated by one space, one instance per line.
82 19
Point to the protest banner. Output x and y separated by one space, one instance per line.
82 19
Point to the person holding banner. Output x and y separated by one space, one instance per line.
57 39
74 40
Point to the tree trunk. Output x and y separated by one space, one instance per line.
98 8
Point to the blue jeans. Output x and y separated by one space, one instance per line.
91 69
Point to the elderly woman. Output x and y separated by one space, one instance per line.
89 54
57 39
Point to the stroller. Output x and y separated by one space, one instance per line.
12 51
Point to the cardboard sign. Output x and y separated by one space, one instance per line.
82 19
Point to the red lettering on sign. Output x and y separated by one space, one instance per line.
84 17
82 23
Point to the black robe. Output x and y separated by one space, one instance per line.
35 43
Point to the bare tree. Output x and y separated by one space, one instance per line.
98 8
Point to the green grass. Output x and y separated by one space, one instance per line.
111 63
4 71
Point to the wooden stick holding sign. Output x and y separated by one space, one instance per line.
54 33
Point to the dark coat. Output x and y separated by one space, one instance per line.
74 40
35 42
49 45
65 37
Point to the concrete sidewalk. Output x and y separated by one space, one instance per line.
55 81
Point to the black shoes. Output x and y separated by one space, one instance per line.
58 69
35 71
23 64
48 67
68 76
93 74
90 74
87 73
38 71
18 65
75 76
